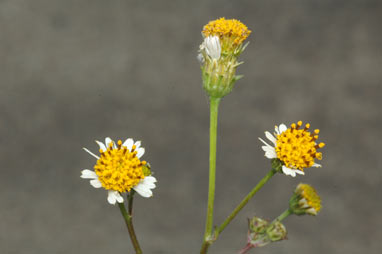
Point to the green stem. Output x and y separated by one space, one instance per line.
214 105
245 201
282 216
207 242
128 216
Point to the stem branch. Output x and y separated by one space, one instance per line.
245 201
208 241
282 216
128 216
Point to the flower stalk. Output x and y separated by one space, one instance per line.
282 216
208 241
214 105
263 181
128 217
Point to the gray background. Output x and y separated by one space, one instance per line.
75 71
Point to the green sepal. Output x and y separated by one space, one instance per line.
277 165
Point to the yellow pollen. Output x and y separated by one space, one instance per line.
310 195
118 168
297 147
233 29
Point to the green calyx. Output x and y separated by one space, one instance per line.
219 84
219 75
277 165
295 206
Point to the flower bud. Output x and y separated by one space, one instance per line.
219 52
305 200
257 225
261 233
276 231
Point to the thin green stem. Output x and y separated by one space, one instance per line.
245 201
207 242
282 216
214 105
128 216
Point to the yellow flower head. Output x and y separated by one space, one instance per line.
118 168
295 147
230 31
308 200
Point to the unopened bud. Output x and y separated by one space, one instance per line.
305 200
219 52
261 233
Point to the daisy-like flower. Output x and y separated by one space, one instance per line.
305 200
294 147
119 169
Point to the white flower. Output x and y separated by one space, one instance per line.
211 45
295 147
119 169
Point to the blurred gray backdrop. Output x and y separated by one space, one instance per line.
74 71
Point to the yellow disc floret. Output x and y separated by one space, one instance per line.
118 168
230 31
310 195
297 147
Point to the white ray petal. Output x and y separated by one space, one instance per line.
271 155
212 47
303 203
88 174
128 143
96 183
316 165
111 197
101 146
282 128
270 137
288 171
143 190
137 144
268 149
200 58
118 197
144 187
299 172
149 181
107 141
92 154
277 130
312 211
265 143
140 152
